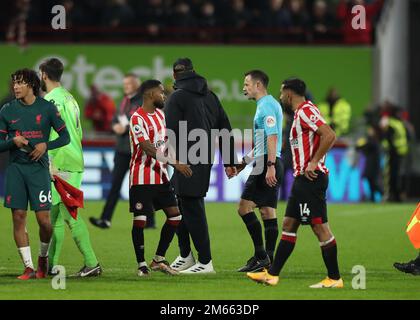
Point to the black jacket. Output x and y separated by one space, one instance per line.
193 102
127 107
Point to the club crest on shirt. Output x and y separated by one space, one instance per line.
294 143
38 119
270 121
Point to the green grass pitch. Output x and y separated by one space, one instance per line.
369 235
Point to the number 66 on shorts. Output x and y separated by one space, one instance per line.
27 183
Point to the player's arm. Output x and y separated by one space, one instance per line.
151 151
141 139
59 127
272 132
228 154
312 120
270 177
8 144
63 135
327 140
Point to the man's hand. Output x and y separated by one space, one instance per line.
118 129
231 172
20 141
270 177
39 151
310 171
184 169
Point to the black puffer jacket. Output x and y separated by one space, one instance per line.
193 102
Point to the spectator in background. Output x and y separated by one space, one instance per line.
16 30
120 125
239 15
336 112
278 15
322 21
100 108
154 14
299 17
118 14
345 15
207 21
182 17
370 146
396 148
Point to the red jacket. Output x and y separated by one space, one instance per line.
100 110
360 36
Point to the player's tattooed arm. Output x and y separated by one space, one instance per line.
151 151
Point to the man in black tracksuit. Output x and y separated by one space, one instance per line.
193 105
120 125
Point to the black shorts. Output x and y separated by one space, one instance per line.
258 191
146 199
308 202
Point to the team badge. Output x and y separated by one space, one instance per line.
270 121
139 206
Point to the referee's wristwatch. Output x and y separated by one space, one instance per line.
270 163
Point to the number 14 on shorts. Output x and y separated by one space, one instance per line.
305 212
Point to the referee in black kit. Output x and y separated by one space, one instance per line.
193 104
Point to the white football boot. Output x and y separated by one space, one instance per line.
200 268
181 264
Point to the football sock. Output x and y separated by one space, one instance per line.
271 230
80 234
254 228
25 254
57 238
43 249
284 250
167 234
329 254
137 235
183 239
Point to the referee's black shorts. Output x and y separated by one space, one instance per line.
146 199
256 188
308 202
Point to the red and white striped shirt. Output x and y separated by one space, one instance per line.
143 168
303 138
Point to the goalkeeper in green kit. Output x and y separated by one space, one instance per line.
67 163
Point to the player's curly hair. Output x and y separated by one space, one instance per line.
29 77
